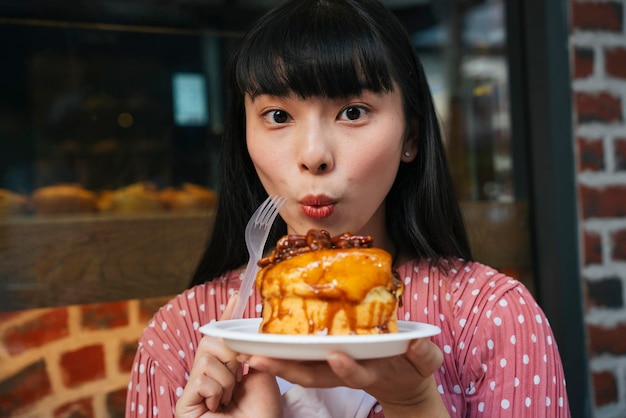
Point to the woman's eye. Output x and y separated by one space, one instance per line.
352 113
278 116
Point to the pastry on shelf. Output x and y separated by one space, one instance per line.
137 197
189 197
63 199
11 203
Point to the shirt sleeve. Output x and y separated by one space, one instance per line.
150 391
509 361
167 347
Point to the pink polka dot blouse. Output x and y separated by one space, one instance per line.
500 356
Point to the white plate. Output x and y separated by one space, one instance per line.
242 335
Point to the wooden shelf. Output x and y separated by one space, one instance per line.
65 260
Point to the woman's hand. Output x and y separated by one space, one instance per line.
404 385
218 387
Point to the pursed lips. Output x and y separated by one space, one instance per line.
317 206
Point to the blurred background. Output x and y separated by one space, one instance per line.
111 114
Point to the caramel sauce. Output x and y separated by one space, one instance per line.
310 288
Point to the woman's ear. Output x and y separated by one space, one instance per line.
409 148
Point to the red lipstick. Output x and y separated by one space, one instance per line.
317 207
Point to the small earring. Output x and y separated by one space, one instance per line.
407 154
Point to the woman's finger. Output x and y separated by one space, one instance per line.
230 306
209 365
306 374
350 371
200 390
425 356
217 348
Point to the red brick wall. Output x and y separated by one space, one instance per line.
598 50
72 361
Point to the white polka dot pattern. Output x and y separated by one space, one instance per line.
499 352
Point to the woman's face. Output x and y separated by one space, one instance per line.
333 159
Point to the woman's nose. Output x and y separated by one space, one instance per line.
315 153
316 167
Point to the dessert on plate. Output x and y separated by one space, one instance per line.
322 285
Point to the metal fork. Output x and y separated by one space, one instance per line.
257 230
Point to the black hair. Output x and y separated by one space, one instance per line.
333 49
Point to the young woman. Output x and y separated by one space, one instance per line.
330 108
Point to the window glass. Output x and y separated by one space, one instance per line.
124 102
463 46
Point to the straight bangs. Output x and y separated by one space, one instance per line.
331 53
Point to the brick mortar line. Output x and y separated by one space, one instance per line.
608 148
604 225
134 317
600 84
598 272
596 129
605 317
13 364
67 344
595 179
606 362
44 406
586 38
74 318
612 410
607 247
23 316
54 371
100 404
112 355
616 364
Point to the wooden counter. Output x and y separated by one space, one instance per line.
64 260
499 235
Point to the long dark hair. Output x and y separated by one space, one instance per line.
334 48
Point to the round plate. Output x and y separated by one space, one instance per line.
242 335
